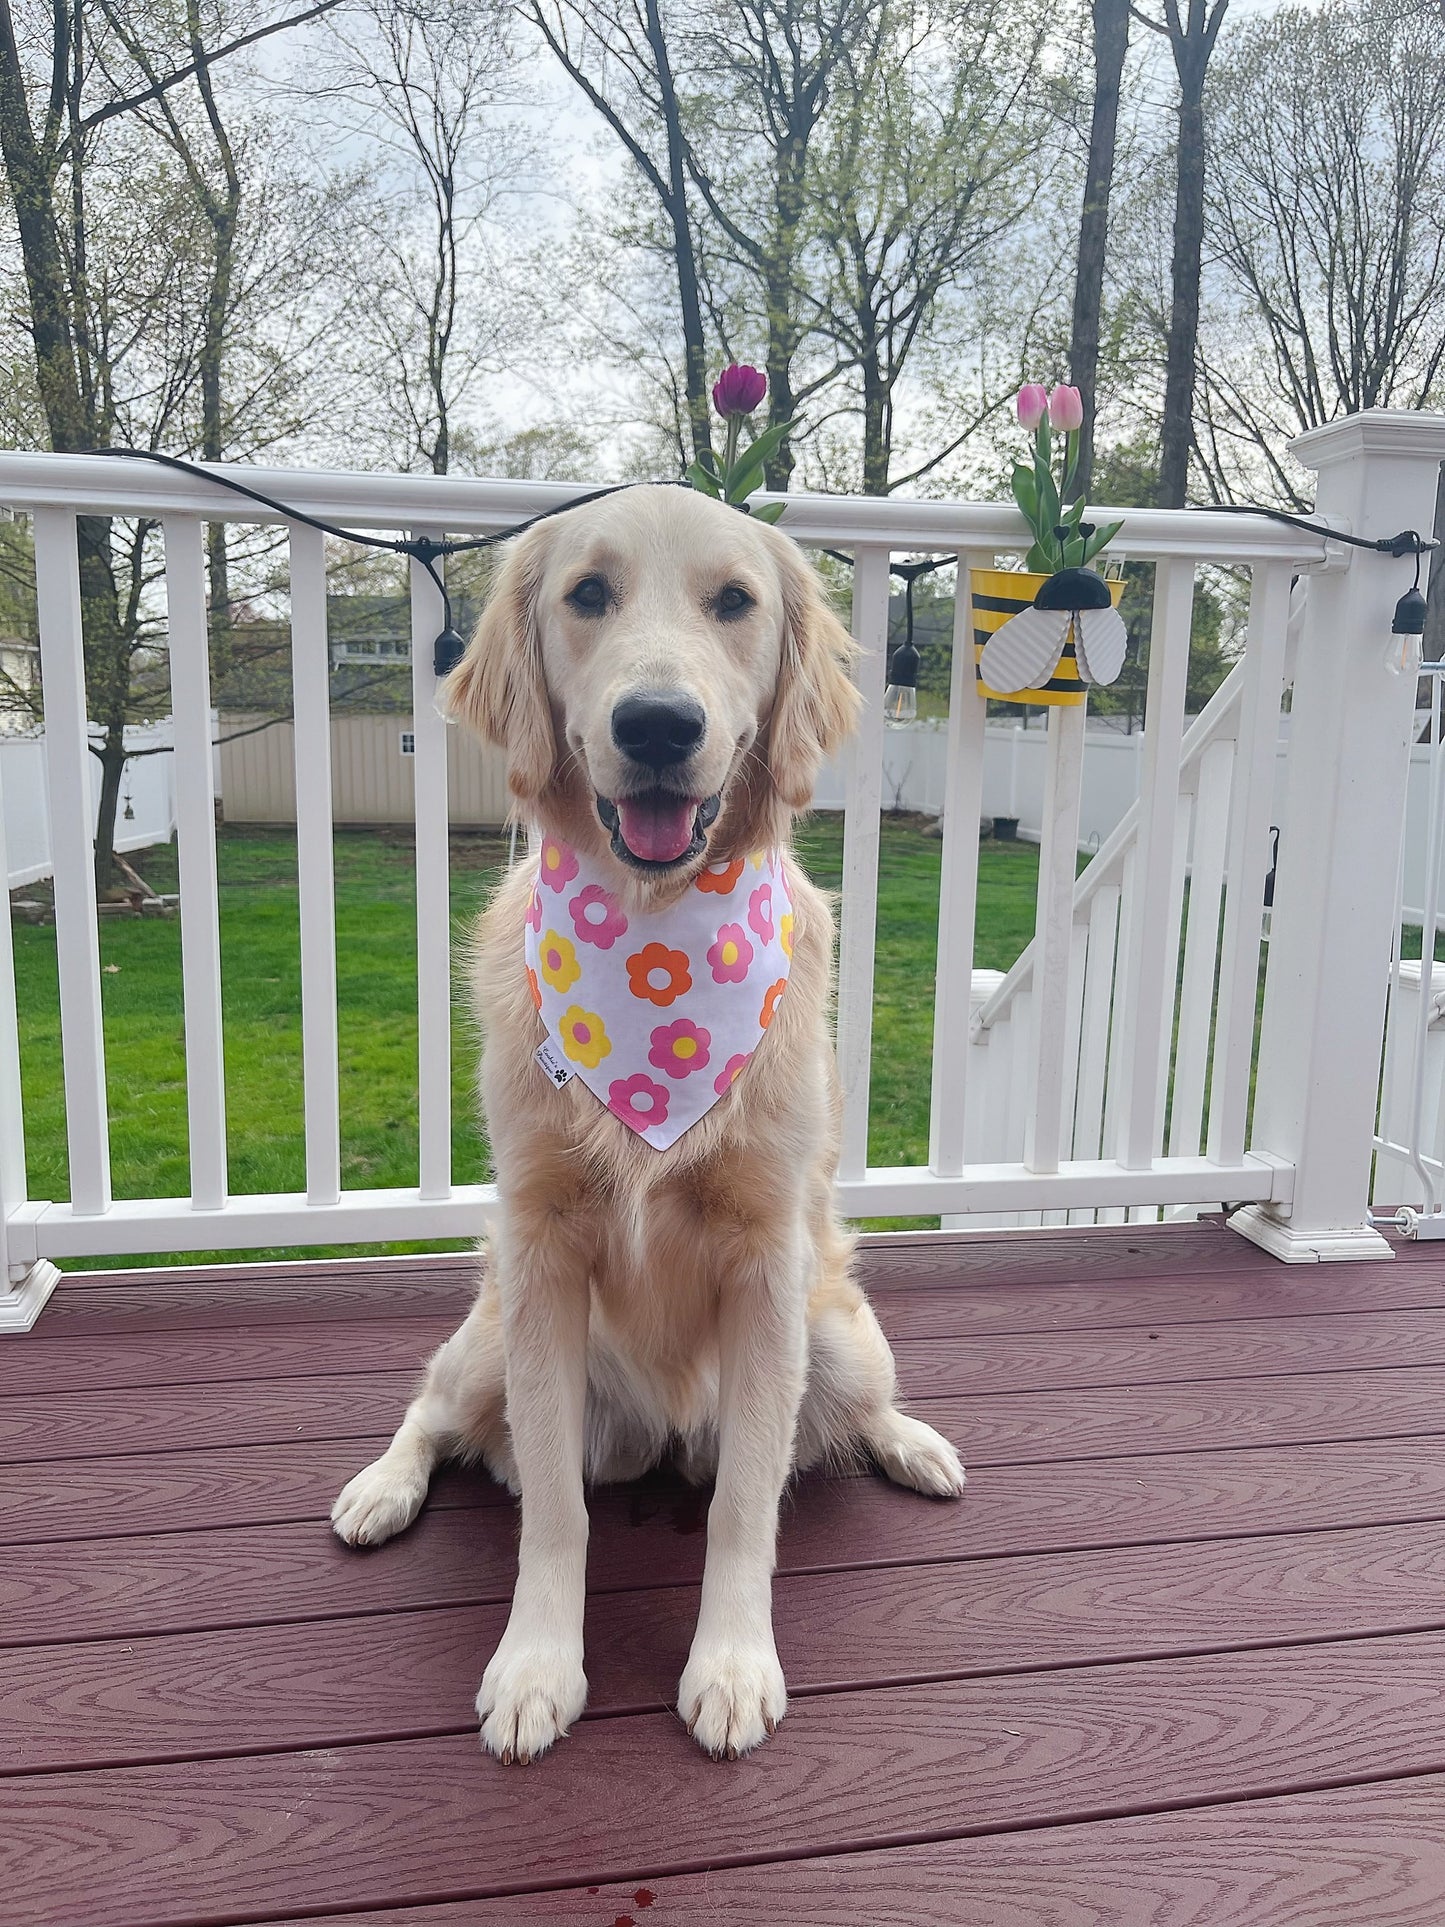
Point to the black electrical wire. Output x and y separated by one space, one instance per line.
426 551
421 548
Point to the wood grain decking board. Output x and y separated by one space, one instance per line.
1358 1856
654 1534
432 1818
927 1367
1174 1661
300 1685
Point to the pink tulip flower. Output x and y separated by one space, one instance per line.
739 389
1066 407
1033 403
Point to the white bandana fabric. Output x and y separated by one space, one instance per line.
659 1012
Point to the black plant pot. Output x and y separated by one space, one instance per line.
1006 829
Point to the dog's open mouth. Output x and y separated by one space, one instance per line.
657 829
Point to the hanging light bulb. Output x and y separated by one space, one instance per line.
1403 647
900 698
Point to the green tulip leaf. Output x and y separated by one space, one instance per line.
702 481
747 471
1100 538
769 512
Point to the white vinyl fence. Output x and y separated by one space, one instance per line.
1126 1080
147 809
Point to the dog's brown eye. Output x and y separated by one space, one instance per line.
589 595
732 601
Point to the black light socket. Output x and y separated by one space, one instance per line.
1409 614
447 652
903 667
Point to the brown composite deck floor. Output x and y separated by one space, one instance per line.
1177 1658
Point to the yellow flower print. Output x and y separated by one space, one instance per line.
559 961
785 931
584 1037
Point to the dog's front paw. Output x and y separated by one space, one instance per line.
530 1695
732 1697
380 1501
913 1454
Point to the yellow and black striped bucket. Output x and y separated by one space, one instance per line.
1000 593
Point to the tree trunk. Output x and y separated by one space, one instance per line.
875 425
782 316
694 340
1177 439
1111 44
112 768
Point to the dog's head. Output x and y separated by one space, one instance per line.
665 676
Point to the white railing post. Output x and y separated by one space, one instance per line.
1334 898
1044 1132
25 1281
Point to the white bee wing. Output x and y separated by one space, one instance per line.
1099 641
1025 651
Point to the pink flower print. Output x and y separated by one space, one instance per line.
637 1101
598 916
730 1073
760 912
559 864
534 909
680 1048
730 954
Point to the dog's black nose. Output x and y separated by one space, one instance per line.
658 730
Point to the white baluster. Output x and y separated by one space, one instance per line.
1251 803
1201 948
1151 941
433 894
958 889
196 851
1053 935
72 846
310 677
861 828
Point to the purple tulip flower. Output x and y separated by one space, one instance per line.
738 389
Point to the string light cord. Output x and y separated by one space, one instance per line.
428 551
447 650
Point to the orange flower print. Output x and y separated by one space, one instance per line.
659 974
559 961
719 878
785 932
770 1002
534 987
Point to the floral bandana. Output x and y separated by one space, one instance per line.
657 1012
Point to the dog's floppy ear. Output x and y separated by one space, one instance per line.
498 687
816 703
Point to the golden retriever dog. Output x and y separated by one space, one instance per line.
666 678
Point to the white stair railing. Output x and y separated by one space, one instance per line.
1220 803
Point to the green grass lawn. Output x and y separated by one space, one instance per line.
376 998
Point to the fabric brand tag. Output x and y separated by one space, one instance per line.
554 1063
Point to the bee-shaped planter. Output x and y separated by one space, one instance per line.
1045 638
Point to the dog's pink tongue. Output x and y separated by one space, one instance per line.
657 829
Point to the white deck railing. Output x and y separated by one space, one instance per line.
1076 1127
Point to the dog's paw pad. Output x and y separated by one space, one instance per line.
529 1697
732 1698
913 1454
378 1503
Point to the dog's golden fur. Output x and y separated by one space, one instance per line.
696 1303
